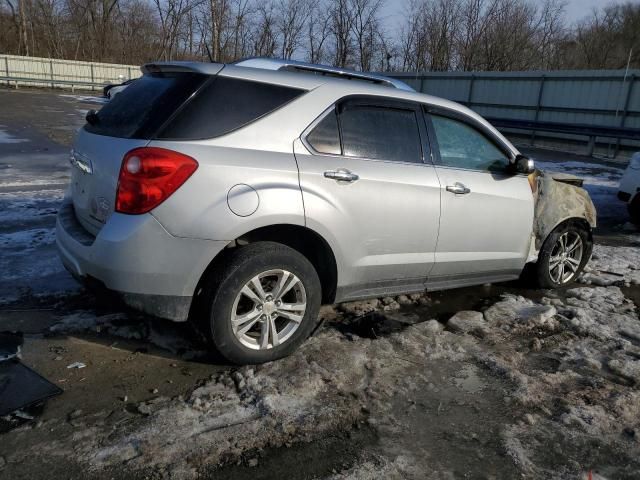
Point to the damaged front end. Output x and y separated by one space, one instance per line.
558 198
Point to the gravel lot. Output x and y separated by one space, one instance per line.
497 381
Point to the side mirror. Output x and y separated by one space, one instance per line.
524 164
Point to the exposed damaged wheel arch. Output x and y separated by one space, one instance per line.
557 203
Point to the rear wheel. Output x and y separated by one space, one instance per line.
264 303
563 256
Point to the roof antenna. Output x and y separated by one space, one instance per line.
209 53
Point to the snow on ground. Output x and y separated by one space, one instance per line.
613 266
169 336
513 377
20 207
30 265
7 138
86 98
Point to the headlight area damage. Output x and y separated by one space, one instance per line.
558 198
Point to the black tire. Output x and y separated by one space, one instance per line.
241 265
634 209
541 270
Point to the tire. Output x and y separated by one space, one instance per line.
270 263
547 272
634 209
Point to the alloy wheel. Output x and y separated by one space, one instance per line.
268 309
566 257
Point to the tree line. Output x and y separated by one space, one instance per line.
433 35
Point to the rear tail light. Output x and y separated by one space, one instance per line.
148 176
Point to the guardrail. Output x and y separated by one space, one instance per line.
563 103
590 131
53 73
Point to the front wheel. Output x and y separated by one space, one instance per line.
264 303
563 256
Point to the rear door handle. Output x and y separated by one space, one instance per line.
342 175
458 188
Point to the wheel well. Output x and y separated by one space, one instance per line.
304 240
580 223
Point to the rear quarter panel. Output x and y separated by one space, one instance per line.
199 208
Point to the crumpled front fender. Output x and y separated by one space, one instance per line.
556 202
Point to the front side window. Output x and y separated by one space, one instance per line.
462 146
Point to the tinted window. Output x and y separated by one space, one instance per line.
380 133
324 138
226 104
141 108
463 146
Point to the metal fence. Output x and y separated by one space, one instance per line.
47 72
602 99
598 98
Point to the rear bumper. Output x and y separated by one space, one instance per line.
136 257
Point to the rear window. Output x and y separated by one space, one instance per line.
226 104
145 105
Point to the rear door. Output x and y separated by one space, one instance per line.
368 183
487 211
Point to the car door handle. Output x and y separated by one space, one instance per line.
341 175
458 188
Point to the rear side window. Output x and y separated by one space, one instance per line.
226 104
369 131
381 133
325 137
143 107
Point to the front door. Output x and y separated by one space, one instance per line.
487 211
368 185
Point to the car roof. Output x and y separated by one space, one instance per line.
268 71
323 70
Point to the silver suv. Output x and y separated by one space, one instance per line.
244 196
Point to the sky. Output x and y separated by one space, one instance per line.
575 10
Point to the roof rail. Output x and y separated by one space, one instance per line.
295 66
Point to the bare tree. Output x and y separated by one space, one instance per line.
291 22
341 25
435 35
318 31
265 36
366 29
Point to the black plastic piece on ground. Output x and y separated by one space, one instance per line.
10 344
21 387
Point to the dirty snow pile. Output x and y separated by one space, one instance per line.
611 265
575 364
560 390
331 384
29 264
171 336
